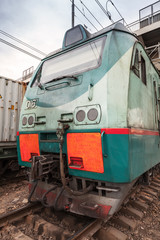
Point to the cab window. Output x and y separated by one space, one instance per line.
143 71
136 63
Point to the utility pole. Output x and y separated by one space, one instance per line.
72 13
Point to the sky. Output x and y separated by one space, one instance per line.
42 24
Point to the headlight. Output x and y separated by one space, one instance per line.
80 116
30 120
85 115
24 121
92 114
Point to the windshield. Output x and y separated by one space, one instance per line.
73 62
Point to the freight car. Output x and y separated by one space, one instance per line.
89 124
11 96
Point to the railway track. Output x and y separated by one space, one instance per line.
11 177
35 222
19 214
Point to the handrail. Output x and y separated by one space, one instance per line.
148 17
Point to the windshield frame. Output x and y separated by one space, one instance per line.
102 38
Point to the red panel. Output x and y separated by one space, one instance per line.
115 130
129 131
86 147
29 146
103 211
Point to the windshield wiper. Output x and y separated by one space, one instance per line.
59 78
42 87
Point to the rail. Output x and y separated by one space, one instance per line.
19 213
88 231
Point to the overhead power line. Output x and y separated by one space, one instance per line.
23 43
91 13
84 16
105 12
19 49
118 13
82 22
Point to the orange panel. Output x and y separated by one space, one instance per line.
87 149
29 146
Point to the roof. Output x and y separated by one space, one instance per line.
116 26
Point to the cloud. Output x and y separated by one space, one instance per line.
43 23
35 22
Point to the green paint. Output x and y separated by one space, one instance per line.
128 156
116 164
142 109
125 101
144 154
113 51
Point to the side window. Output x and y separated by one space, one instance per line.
158 105
158 101
135 66
143 71
158 92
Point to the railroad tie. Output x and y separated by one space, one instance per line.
156 180
111 233
146 197
42 226
15 234
124 222
155 183
130 211
149 191
157 189
139 205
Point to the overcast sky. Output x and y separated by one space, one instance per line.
42 24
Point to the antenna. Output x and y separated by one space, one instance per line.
72 13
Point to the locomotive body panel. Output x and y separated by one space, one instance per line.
101 117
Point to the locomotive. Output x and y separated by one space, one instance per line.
90 122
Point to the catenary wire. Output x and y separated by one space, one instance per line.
91 13
18 48
82 22
119 14
21 42
84 16
103 9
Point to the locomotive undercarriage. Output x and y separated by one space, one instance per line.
100 201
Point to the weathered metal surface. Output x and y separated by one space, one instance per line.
44 164
126 122
11 96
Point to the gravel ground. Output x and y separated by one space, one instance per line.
149 227
13 195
